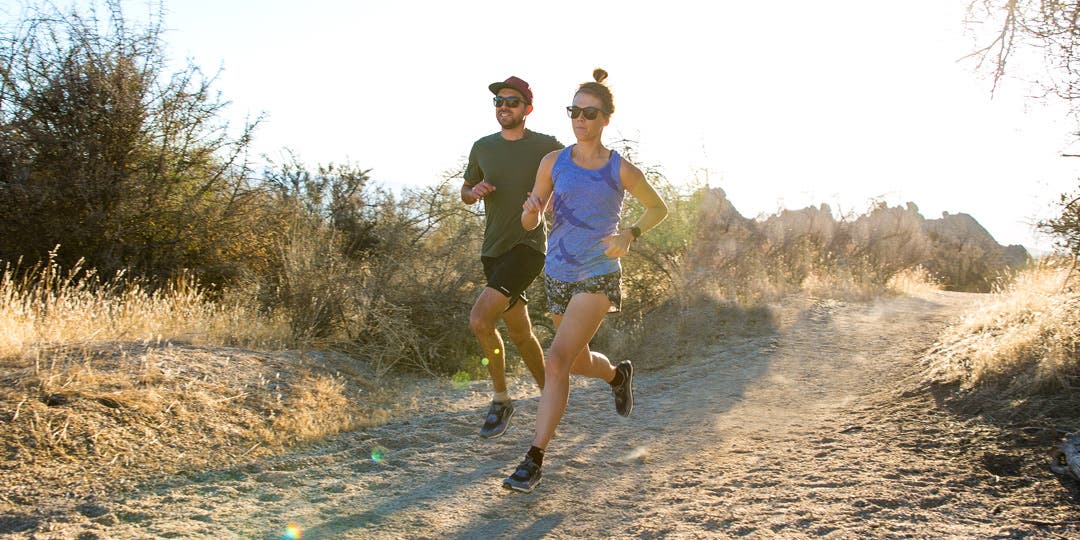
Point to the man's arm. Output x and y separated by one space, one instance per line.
475 186
471 194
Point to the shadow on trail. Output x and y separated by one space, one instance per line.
427 493
539 527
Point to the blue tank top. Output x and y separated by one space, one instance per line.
586 204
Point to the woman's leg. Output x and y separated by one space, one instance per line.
573 331
593 364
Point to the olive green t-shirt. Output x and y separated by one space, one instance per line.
511 167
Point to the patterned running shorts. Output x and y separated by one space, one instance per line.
559 293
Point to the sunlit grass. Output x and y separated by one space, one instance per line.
1022 342
914 281
48 307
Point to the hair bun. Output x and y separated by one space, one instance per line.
599 75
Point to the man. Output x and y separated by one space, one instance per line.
501 171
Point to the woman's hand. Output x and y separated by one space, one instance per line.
530 211
533 204
618 244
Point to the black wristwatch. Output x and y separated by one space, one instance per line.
635 232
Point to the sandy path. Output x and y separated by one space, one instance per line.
804 433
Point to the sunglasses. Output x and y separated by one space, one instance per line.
511 102
590 112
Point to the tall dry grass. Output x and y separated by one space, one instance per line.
1022 345
914 282
47 306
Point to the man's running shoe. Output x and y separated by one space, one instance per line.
624 393
525 477
498 419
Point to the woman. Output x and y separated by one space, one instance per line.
584 186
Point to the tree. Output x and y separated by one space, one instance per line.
105 153
1050 28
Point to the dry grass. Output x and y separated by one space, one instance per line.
105 381
102 415
914 282
50 307
1018 353
830 283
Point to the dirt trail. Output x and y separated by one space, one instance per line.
804 433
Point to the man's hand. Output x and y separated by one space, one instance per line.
481 190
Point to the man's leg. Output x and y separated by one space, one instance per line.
519 328
485 314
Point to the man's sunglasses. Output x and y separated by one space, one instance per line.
590 112
511 102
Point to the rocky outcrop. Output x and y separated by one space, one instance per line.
956 248
966 256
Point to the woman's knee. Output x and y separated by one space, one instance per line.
556 364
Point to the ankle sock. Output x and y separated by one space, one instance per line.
501 397
618 378
537 455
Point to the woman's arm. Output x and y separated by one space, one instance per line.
633 180
540 197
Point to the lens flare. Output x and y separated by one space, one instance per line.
292 532
483 361
378 454
497 351
461 380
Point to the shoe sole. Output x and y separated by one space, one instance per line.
521 489
630 394
495 435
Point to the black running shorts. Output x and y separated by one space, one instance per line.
513 271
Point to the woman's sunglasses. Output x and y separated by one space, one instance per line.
511 102
590 112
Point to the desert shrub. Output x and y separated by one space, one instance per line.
1017 354
430 270
386 277
320 224
964 257
105 152
1065 227
887 240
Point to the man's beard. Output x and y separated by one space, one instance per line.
512 122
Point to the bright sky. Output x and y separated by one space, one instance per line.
786 103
